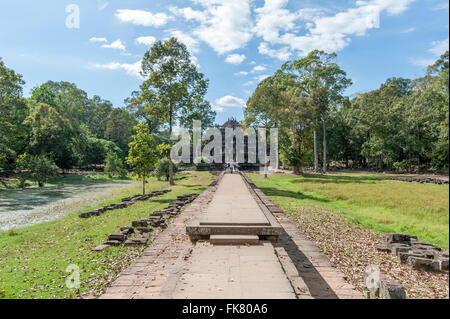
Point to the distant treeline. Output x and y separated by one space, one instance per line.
60 123
401 126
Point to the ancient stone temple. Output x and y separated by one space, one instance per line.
233 124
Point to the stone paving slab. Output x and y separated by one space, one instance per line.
222 272
233 204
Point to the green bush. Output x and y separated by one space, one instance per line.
36 168
162 169
114 165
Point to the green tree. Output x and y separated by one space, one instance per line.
51 135
119 128
319 78
142 156
162 169
13 110
173 88
36 168
114 165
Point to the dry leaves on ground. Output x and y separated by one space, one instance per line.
352 248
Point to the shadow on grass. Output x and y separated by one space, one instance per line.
323 179
270 191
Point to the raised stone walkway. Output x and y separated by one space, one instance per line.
174 267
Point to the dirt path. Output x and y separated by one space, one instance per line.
173 267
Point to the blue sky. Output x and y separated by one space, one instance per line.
236 43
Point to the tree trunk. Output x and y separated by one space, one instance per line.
316 156
171 182
324 146
143 185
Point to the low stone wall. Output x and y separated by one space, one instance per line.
124 204
422 180
145 226
415 253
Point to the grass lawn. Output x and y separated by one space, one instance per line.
367 199
33 259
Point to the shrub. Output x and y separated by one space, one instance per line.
114 165
36 168
162 169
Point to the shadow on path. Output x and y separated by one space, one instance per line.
317 285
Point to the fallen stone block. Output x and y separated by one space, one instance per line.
400 238
424 246
444 262
86 215
112 242
127 230
117 236
399 248
403 256
383 248
420 263
100 247
390 289
144 229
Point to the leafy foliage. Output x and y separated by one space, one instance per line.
142 156
162 169
114 165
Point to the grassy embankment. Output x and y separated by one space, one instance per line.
367 199
33 260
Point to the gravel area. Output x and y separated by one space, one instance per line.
352 248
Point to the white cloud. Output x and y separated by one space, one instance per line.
101 5
409 30
230 101
235 59
141 17
225 25
262 77
131 69
282 54
117 45
241 73
190 42
259 68
217 108
441 6
421 61
146 40
439 47
330 33
95 40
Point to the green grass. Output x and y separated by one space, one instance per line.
33 259
370 200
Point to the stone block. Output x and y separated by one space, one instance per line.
420 263
100 247
112 242
399 248
403 256
444 262
390 289
144 229
117 236
400 238
383 248
424 246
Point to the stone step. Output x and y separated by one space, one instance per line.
234 239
